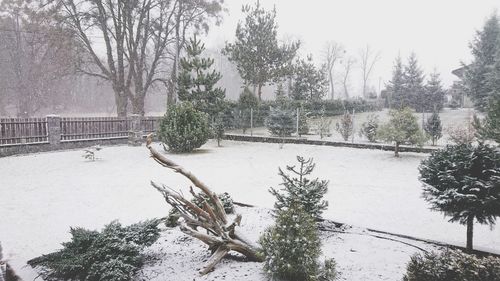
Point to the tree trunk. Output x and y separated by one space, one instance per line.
332 91
396 149
470 232
259 88
138 105
121 101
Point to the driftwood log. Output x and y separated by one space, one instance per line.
208 223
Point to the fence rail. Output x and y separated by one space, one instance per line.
15 131
81 128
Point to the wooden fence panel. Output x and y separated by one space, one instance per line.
23 131
88 128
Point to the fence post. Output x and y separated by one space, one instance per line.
135 131
251 121
54 129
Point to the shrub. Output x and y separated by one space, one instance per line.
303 126
113 254
301 190
292 246
346 126
369 128
452 265
280 122
324 125
183 128
433 127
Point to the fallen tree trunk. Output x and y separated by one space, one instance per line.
218 234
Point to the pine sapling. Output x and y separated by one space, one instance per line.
369 128
346 126
433 128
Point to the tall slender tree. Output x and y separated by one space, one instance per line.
396 93
434 94
332 53
484 47
309 82
368 59
413 79
259 57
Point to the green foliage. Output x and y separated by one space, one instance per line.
491 128
218 129
183 128
413 78
484 47
225 199
281 122
346 126
246 102
324 125
396 91
463 181
402 128
258 56
112 254
369 128
452 265
308 193
433 94
329 271
303 125
292 246
433 127
309 83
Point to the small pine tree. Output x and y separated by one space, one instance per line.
292 246
197 82
346 126
281 122
307 192
462 181
246 102
324 125
303 126
433 127
369 128
402 128
183 128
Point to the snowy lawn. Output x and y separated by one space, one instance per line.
42 195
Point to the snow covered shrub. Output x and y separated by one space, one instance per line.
218 129
292 246
324 125
452 265
246 102
225 198
308 193
329 271
345 127
462 134
183 128
433 127
90 153
369 128
281 122
113 254
303 126
462 181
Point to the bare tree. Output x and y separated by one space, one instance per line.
368 58
219 234
333 51
345 75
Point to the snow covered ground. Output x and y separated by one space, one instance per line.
42 195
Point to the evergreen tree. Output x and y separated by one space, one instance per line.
256 52
281 121
402 128
396 90
433 127
413 80
303 126
280 94
346 126
292 246
197 82
309 83
462 181
434 94
484 48
246 102
369 128
309 193
492 121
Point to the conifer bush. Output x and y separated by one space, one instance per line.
183 128
281 122
113 254
452 265
292 246
345 127
433 128
369 128
302 190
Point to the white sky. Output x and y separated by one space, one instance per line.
438 31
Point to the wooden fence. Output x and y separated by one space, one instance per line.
18 131
14 131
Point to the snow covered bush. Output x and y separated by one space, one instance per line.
246 102
402 128
433 127
452 265
324 125
183 128
225 198
308 193
281 122
218 129
369 128
291 247
113 254
303 126
462 134
463 182
346 126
